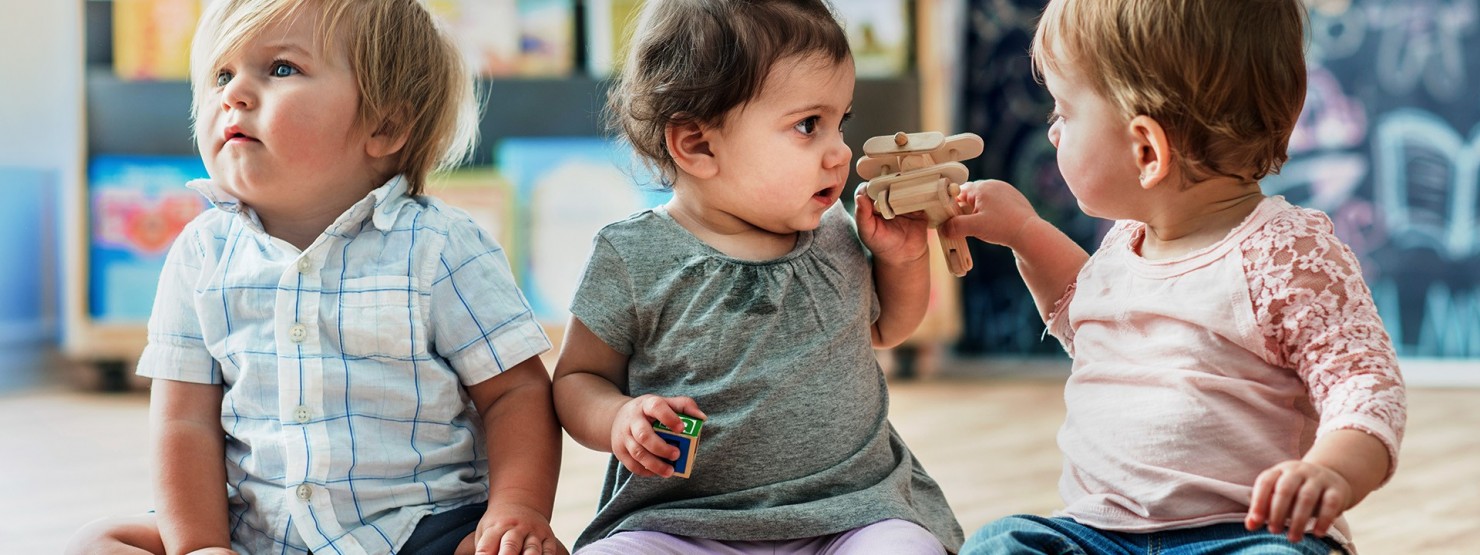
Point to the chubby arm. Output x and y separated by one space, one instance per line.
189 469
590 378
523 459
997 213
1318 318
901 266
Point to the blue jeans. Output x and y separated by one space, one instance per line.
1029 534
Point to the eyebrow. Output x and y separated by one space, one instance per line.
816 108
287 47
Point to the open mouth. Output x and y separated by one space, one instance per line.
827 194
234 134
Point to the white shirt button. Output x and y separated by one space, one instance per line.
304 265
305 492
302 415
298 333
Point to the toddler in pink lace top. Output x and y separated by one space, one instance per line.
1231 374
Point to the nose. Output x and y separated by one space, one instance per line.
1054 133
838 154
238 94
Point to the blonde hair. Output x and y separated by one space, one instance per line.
411 78
1226 79
692 61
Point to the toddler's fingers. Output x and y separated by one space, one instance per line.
648 464
1330 509
511 542
1305 504
627 453
1285 490
662 410
686 405
1259 500
649 444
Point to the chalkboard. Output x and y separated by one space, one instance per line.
1388 145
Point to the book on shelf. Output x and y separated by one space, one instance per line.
137 205
488 199
879 35
609 25
1427 183
568 188
151 38
509 38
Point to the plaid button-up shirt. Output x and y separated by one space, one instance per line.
343 364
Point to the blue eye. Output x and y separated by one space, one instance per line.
807 126
222 78
844 122
282 69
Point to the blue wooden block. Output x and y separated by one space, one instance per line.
687 442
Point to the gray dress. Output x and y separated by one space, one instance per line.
777 354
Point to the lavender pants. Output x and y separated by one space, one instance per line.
894 536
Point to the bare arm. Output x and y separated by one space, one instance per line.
1049 262
590 378
189 465
523 458
901 266
516 410
997 213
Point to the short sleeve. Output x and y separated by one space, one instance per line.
1316 316
481 322
176 348
604 301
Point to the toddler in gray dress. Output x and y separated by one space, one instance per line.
748 301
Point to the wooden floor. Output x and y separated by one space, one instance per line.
71 457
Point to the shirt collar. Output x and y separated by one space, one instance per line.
226 202
383 202
388 200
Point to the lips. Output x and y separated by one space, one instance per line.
829 194
234 134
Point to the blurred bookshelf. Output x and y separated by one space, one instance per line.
140 117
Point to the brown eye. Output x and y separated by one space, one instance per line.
808 126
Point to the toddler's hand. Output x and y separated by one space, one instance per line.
900 240
213 551
1297 491
511 529
993 211
635 443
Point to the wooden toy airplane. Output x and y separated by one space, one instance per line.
911 172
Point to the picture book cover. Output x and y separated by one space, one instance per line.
488 199
151 38
137 206
879 34
609 25
568 188
507 38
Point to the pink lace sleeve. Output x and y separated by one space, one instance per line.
1317 317
1058 317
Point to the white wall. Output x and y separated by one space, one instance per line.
41 84
41 133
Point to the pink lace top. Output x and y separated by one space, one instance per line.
1193 375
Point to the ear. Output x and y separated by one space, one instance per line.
1152 150
689 145
387 140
